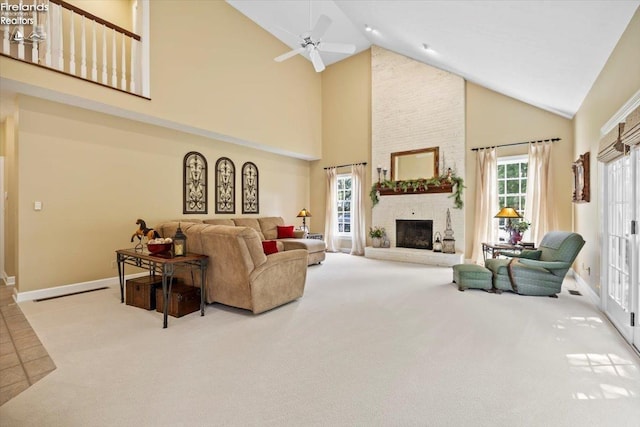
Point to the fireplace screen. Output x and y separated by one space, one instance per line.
416 234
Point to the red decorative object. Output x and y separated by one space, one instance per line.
269 247
285 231
158 248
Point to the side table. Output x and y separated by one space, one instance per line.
164 264
493 249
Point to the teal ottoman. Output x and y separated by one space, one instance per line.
472 276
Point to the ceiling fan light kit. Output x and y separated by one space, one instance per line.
311 42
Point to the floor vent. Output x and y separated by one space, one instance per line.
68 295
572 292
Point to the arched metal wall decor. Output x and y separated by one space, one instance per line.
194 184
250 189
225 186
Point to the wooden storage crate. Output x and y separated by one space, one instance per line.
184 299
141 291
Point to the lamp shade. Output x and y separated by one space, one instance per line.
507 213
304 213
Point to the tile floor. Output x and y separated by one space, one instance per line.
23 358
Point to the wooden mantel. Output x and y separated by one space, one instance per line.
445 187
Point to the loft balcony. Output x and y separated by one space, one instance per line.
62 37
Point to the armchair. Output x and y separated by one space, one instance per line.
538 272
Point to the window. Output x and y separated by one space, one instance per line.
512 187
344 204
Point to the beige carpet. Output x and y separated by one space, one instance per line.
371 343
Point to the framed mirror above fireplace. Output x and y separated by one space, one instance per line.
415 164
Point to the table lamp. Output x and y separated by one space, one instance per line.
304 213
508 213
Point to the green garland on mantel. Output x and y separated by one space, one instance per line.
404 186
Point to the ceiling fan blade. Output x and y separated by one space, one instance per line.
289 54
321 27
336 47
316 60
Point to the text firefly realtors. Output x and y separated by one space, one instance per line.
14 14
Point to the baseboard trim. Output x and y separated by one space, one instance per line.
8 280
59 291
588 290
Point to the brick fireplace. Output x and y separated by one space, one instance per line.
415 234
416 106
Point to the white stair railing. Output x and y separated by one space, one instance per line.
57 30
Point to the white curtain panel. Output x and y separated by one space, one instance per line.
486 201
358 236
539 206
331 214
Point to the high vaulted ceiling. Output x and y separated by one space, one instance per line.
545 53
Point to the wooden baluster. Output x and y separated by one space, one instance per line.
34 45
94 54
114 61
123 66
72 45
47 54
60 48
20 29
132 78
6 44
83 51
105 79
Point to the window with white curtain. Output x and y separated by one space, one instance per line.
512 187
344 204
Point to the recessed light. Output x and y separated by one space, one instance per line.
427 48
368 28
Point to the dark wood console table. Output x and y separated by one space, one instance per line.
165 265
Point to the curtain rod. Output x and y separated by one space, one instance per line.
517 143
348 164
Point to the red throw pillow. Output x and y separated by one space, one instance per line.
285 232
269 247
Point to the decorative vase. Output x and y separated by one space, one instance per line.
376 241
516 236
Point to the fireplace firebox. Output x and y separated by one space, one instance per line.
415 234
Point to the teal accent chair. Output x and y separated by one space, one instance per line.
537 272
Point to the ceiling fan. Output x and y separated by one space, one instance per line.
311 42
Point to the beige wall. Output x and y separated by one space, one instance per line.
96 174
211 70
10 152
117 12
618 81
495 119
346 128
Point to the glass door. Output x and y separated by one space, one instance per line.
635 277
620 255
